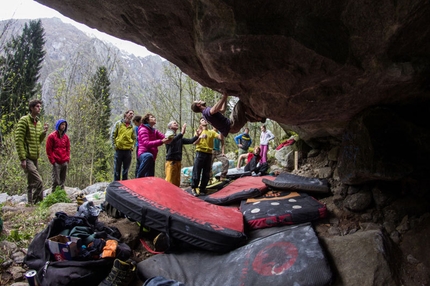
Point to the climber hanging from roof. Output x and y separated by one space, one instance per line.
214 115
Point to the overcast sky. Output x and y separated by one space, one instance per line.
28 9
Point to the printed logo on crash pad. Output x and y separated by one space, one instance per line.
275 259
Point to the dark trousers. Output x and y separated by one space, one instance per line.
59 172
202 167
146 165
122 159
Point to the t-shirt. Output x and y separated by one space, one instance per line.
217 120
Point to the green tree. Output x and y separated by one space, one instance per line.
101 97
19 72
100 92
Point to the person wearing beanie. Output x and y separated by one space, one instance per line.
58 152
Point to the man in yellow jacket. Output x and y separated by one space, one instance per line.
123 140
203 160
29 136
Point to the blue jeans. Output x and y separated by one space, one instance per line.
146 165
161 281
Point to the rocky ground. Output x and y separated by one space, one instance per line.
373 236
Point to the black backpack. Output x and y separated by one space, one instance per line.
69 272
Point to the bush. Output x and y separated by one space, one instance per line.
59 196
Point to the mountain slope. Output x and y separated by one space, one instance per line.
72 57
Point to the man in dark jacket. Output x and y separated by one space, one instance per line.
243 141
29 135
174 152
58 152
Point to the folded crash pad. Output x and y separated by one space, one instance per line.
234 173
239 189
287 181
289 255
164 207
283 208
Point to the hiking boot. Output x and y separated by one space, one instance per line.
122 273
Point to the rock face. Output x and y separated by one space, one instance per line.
354 71
311 66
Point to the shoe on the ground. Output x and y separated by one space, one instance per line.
202 193
161 242
122 273
80 199
253 174
195 191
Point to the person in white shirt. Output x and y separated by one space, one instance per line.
265 137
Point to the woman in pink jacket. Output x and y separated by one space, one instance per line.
149 139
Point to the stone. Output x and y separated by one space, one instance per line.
358 201
324 173
362 258
98 187
333 153
4 197
367 154
18 257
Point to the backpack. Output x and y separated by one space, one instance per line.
69 272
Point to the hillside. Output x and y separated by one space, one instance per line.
71 55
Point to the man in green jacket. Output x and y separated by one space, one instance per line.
29 136
123 140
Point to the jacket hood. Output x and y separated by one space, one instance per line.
57 125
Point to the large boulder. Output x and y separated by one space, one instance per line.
309 65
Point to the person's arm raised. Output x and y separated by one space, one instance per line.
221 105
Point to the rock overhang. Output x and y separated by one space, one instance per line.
310 66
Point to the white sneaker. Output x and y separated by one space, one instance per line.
253 174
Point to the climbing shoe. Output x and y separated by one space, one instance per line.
80 199
122 273
195 192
